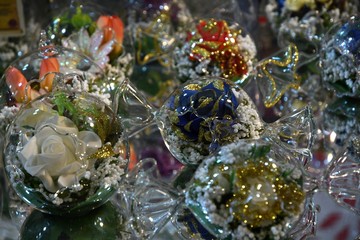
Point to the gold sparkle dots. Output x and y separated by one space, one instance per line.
262 194
192 86
104 152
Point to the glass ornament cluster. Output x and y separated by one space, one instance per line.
70 119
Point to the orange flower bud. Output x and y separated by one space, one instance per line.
48 65
113 27
17 84
133 157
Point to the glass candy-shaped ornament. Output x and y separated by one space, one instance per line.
340 74
214 47
148 201
65 152
20 82
341 177
203 114
250 189
153 26
88 28
284 87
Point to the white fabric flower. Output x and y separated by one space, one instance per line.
57 152
90 45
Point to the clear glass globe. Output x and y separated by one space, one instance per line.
65 152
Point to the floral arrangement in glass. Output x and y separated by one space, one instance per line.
65 152
99 36
214 47
37 72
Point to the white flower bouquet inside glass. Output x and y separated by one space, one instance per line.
65 153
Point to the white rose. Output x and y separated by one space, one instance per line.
57 152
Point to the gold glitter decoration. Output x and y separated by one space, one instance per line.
218 85
192 86
104 152
274 69
263 194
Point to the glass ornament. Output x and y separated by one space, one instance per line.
89 29
340 74
153 26
37 73
214 47
340 58
65 152
72 18
342 174
203 114
305 24
249 189
340 177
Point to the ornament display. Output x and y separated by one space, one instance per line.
164 120
65 153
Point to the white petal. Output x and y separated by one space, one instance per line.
47 180
68 180
95 41
105 49
29 151
79 41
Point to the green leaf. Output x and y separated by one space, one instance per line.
259 151
80 19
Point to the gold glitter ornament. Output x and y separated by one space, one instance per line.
247 189
262 194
